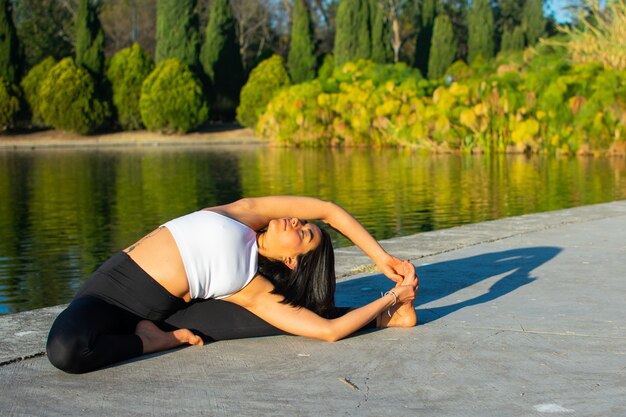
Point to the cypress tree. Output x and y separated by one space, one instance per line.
381 36
443 49
533 21
177 31
301 60
353 34
89 38
221 60
9 48
513 40
480 30
427 13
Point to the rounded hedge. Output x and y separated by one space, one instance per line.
9 104
31 85
127 71
172 99
264 82
68 99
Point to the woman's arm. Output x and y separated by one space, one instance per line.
257 213
257 298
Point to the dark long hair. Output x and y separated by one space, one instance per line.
311 284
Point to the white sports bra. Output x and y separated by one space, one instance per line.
219 254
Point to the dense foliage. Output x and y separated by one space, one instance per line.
89 39
537 103
9 47
127 71
9 104
172 99
301 60
221 60
600 35
31 84
68 99
264 82
177 34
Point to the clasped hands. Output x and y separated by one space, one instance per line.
403 274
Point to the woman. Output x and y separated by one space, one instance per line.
244 269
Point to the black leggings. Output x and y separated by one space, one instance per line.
98 327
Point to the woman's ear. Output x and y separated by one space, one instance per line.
291 262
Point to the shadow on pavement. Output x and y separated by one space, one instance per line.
439 280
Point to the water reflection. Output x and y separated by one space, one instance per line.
63 212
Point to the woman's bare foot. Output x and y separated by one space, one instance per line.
156 340
402 315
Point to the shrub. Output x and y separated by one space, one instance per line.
127 71
264 82
9 104
172 99
68 99
31 85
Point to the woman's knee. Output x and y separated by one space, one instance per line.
68 352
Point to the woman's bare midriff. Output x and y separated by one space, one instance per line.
157 254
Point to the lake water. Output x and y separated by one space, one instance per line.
63 212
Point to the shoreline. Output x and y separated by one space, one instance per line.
226 134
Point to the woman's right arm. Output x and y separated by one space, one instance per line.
257 298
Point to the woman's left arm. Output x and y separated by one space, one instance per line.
257 213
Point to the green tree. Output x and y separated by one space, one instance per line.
533 21
172 99
443 49
301 60
44 28
480 30
177 31
9 48
382 52
264 83
513 40
221 60
31 83
69 100
353 34
127 71
9 104
426 19
89 38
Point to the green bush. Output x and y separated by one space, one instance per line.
530 103
264 82
31 84
9 104
127 71
68 99
172 99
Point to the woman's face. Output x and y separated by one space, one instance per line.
291 237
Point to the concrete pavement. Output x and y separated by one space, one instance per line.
518 317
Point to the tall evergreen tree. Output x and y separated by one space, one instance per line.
513 40
177 33
9 49
221 60
533 21
301 60
382 52
427 13
89 38
352 31
480 30
443 48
